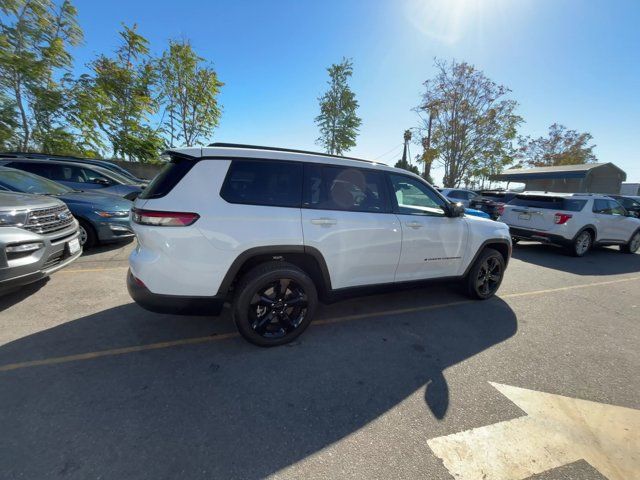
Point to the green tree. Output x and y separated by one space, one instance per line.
189 90
338 121
117 99
561 147
8 123
35 37
472 120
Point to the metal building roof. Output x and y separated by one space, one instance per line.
562 171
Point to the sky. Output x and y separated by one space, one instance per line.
575 62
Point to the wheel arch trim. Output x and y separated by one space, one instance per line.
274 251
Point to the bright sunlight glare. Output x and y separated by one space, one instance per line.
448 20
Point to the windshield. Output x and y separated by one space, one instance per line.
24 182
120 170
113 175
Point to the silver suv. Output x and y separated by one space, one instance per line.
38 235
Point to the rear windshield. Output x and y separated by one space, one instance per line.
168 178
553 203
497 196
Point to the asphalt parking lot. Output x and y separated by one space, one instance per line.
410 384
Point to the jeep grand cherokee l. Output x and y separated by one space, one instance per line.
273 230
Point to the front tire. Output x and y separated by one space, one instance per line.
581 244
486 274
633 245
274 304
88 237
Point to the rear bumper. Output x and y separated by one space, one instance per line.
537 236
175 304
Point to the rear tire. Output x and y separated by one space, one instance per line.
274 304
486 274
581 244
88 237
633 245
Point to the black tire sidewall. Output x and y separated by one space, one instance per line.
472 288
258 278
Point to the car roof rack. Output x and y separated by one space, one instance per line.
287 150
38 155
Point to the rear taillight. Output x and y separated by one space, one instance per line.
163 219
560 218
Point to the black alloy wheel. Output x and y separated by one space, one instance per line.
489 276
486 274
274 303
278 308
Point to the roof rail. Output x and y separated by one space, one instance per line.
35 155
288 150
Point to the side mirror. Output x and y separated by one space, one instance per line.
456 209
101 181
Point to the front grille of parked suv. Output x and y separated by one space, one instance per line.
49 220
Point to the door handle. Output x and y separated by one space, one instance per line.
414 224
324 221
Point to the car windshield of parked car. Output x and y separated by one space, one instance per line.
24 182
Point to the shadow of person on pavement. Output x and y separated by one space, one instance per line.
227 409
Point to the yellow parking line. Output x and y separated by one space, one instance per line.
328 321
83 270
570 287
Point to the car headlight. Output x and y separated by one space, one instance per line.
119 214
13 218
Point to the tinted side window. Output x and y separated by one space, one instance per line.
263 182
457 194
38 169
600 206
339 188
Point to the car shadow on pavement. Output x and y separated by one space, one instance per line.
17 295
107 247
599 261
227 409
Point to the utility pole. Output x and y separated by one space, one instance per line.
426 144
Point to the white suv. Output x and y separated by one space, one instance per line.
274 230
575 221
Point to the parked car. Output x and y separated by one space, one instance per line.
459 195
38 235
492 201
575 221
476 213
78 176
103 218
273 230
631 203
114 167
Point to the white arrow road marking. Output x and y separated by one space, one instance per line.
556 431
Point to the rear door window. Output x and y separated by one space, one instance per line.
339 188
608 207
549 202
263 182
